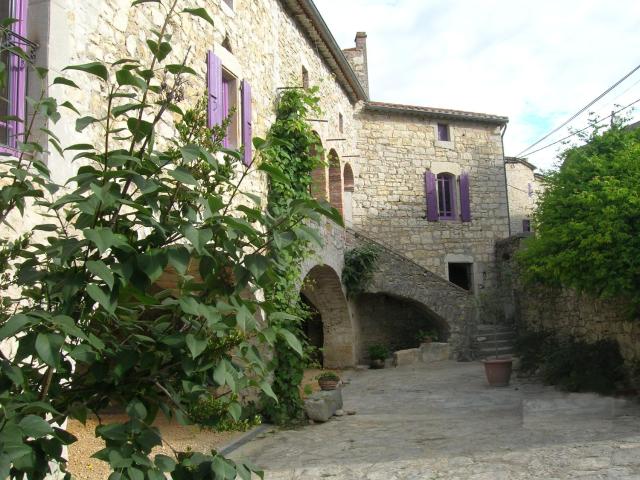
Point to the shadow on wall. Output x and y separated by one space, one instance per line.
394 322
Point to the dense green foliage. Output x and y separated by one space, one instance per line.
571 364
89 325
378 352
359 267
296 152
588 219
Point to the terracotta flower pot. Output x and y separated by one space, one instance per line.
328 384
498 371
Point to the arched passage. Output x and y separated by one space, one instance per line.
323 290
319 184
395 322
348 195
335 181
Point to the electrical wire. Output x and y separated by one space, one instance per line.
595 124
581 111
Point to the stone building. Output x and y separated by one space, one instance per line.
524 186
427 185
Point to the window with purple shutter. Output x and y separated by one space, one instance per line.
13 93
526 225
465 198
247 123
446 196
226 87
443 132
431 195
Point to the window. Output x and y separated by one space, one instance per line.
230 106
340 123
461 274
526 225
446 196
229 3
443 132
12 94
305 78
530 190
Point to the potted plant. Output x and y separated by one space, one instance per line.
497 368
377 355
328 380
427 336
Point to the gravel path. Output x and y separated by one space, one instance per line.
441 421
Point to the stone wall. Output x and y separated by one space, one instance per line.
389 195
565 311
523 190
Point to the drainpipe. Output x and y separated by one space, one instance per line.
506 187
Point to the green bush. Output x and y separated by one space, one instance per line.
359 267
571 364
378 352
328 376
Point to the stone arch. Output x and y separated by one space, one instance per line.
335 181
348 195
395 321
323 290
319 177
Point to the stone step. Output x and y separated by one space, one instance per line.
494 343
484 337
488 328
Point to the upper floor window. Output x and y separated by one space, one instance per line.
229 3
230 107
443 132
526 225
13 88
305 78
340 123
446 196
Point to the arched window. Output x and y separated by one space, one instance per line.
446 196
335 181
348 195
319 174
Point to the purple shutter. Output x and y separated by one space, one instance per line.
247 126
465 201
214 90
431 196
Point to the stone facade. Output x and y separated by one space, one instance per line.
376 154
524 187
565 311
389 202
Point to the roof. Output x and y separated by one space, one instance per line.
312 23
523 161
443 113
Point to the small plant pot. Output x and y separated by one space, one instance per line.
498 371
328 384
377 363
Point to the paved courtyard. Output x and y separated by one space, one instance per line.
440 421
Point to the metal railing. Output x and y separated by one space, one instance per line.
10 39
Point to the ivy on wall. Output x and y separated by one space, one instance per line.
359 267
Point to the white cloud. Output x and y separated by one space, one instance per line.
535 62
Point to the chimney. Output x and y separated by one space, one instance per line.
357 58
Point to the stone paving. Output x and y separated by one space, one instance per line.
440 421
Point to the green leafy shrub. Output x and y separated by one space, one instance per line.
328 376
378 352
571 364
359 267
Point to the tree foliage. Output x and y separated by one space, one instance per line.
86 324
588 219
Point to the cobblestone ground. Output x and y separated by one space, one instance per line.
441 421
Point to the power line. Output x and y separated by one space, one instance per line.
581 111
585 128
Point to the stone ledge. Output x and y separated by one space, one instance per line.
321 406
427 353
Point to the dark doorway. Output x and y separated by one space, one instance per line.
461 274
313 330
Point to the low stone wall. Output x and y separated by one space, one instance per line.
565 311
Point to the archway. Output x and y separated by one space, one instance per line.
348 195
319 185
396 322
335 181
323 291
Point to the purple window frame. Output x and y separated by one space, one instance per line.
443 132
226 83
17 85
526 225
446 196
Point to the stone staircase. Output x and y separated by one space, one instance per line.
491 340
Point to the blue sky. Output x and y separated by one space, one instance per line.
535 62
